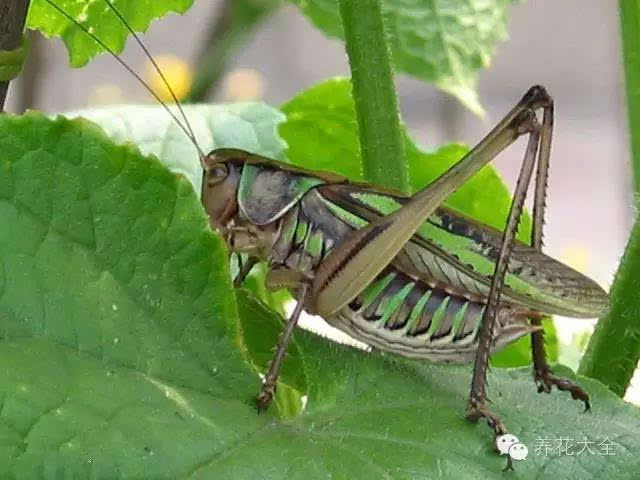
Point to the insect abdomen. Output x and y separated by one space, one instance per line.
410 318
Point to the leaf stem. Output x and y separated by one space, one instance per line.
614 349
374 94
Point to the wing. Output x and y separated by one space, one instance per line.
459 253
265 194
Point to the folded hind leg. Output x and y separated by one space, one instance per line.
542 374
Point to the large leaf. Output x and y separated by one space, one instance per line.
444 42
99 19
119 330
123 356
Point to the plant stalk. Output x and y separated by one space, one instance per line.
614 349
381 141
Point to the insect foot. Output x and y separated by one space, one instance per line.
265 397
546 380
476 411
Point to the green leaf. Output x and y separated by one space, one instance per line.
444 42
123 355
99 19
119 325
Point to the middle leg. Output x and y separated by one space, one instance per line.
282 278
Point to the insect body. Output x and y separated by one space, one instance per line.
429 301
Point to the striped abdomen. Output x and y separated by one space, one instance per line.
410 318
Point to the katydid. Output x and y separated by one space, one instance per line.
403 274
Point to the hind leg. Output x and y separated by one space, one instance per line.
542 374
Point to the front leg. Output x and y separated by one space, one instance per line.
244 269
268 391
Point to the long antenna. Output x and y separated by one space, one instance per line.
153 62
108 49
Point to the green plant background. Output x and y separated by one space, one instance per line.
126 352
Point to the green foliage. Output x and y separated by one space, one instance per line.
125 354
96 17
614 350
377 416
442 42
116 307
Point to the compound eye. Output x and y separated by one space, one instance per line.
217 174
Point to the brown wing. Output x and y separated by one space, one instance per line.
460 253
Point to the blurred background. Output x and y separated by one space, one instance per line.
590 198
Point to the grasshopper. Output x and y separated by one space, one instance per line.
403 274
